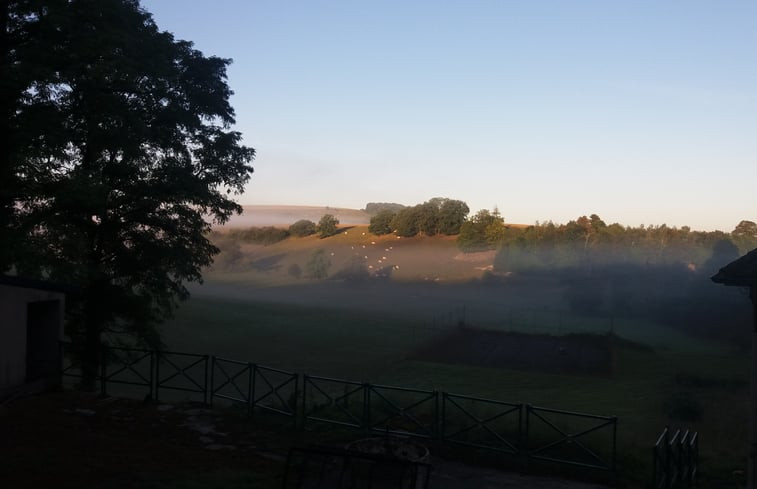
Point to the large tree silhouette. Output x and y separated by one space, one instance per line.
120 150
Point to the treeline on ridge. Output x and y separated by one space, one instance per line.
439 215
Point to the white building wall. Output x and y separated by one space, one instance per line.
13 320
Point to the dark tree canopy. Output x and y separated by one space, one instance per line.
327 226
302 228
120 150
373 208
485 230
405 222
381 223
452 214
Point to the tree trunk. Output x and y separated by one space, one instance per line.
91 354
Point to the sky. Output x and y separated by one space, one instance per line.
644 112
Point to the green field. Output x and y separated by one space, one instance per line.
348 341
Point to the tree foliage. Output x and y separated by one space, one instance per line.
405 222
452 214
381 223
588 242
265 235
373 208
119 149
302 228
435 216
485 230
327 226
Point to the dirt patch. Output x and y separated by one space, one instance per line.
575 353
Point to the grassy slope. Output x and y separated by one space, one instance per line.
418 258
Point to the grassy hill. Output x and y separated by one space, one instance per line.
419 258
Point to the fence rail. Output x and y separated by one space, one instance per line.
515 429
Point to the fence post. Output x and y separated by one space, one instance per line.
250 387
212 379
436 431
205 394
157 375
366 408
443 417
521 448
668 476
304 400
614 441
103 370
153 378
295 397
528 431
253 374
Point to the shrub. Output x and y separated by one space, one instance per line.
266 235
318 264
302 228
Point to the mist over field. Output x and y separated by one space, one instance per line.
585 316
657 274
283 216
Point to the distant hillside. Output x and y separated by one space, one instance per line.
420 258
284 215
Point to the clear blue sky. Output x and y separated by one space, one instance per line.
640 111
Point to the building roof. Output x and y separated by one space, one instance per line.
741 272
31 283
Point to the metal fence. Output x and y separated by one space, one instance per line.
675 459
581 439
482 423
127 366
515 429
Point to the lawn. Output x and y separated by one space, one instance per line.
345 340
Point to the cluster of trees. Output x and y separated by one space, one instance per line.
588 242
436 216
327 226
373 208
484 231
